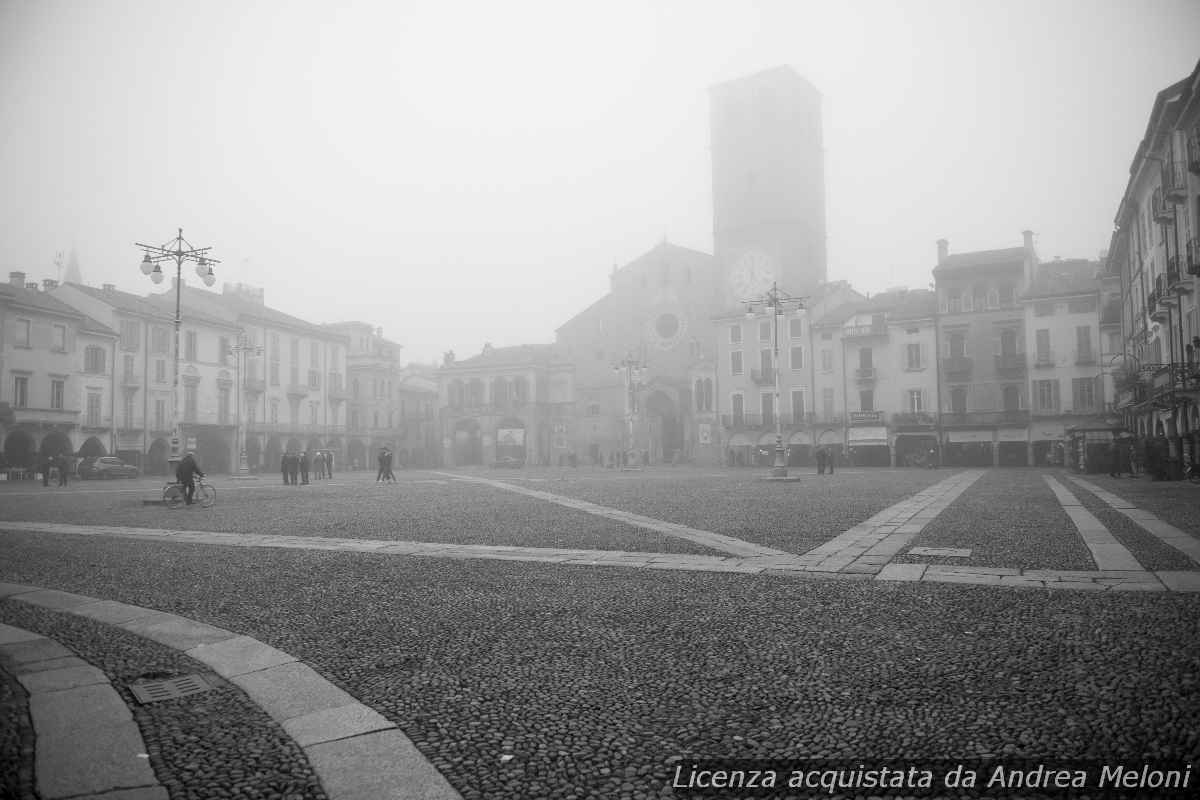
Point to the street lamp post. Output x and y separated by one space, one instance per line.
178 250
630 369
780 302
239 351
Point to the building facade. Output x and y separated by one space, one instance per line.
1155 250
57 379
509 406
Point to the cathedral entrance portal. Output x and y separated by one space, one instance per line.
666 428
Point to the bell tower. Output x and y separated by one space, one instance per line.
768 184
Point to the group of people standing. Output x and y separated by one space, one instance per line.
296 467
61 462
385 473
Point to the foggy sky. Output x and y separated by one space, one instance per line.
462 172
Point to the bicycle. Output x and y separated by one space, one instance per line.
205 494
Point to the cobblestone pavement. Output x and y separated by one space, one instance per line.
526 671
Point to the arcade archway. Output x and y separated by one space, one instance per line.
666 428
92 448
156 459
19 450
56 443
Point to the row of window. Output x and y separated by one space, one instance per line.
914 359
471 392
23 335
977 298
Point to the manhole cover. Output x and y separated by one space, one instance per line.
153 691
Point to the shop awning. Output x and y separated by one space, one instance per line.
868 436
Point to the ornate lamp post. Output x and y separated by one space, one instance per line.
178 250
239 351
780 302
630 368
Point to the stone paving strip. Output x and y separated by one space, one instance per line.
789 565
87 743
717 541
1168 534
871 544
355 751
1107 552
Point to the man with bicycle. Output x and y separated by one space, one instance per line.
186 473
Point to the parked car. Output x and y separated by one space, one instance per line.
106 467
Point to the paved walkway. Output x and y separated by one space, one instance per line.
88 743
1117 580
868 546
1107 552
716 541
1164 532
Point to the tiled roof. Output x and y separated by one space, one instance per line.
982 258
123 301
47 302
231 308
510 356
1074 276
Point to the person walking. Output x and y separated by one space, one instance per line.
1114 460
64 463
45 464
294 468
383 468
388 459
820 459
283 467
305 463
829 458
329 463
319 465
186 473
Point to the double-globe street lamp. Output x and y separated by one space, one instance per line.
631 369
780 303
178 250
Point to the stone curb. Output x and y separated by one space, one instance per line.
355 751
87 742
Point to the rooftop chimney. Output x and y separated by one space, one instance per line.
110 287
16 279
1028 235
943 249
31 286
49 283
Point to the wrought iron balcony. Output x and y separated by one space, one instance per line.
1162 211
918 419
763 377
1044 360
864 331
957 365
866 418
865 374
1011 362
1193 256
1174 181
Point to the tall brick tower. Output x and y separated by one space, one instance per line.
768 185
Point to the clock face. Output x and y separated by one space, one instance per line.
752 275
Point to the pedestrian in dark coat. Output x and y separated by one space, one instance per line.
829 458
383 468
329 463
388 458
1114 460
64 463
305 463
319 465
186 473
283 468
820 458
45 465
294 468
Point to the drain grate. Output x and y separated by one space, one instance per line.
153 691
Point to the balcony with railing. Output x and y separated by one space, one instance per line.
959 366
865 374
1193 256
866 418
1085 357
1176 278
1044 359
1011 362
1174 181
1157 310
763 377
914 419
1162 211
1012 417
864 331
131 380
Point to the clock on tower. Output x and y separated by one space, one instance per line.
752 275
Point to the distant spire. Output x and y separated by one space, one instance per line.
73 274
